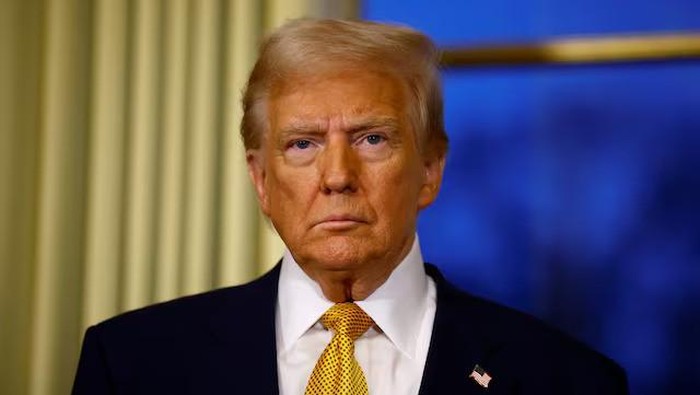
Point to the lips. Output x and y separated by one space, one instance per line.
340 221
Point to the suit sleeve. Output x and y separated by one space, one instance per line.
618 382
600 378
92 377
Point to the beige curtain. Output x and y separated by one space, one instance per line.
122 178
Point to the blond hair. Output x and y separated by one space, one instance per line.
323 44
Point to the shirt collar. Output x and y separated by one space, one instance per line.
397 306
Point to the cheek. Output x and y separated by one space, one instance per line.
291 192
396 193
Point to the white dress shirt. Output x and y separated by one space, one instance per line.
392 354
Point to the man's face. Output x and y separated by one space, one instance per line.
340 174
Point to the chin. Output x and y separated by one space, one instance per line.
338 253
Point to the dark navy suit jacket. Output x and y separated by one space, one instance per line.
223 342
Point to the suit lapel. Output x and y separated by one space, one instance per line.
241 356
458 343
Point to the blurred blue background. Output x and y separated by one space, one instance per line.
573 192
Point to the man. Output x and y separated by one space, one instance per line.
345 145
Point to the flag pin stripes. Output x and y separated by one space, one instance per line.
480 376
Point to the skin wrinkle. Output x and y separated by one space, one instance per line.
375 189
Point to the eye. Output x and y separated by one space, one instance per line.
301 144
374 139
300 151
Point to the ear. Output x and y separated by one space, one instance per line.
433 168
256 171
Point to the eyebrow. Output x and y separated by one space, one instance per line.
305 127
301 128
373 123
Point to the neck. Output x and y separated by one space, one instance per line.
346 285
347 282
341 287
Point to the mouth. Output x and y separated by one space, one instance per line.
340 222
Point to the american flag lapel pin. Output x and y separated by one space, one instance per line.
480 376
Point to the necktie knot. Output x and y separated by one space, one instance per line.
347 319
337 372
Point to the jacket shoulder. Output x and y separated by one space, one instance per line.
176 313
539 357
160 348
516 328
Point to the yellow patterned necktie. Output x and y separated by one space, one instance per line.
337 371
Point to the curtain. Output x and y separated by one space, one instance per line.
122 176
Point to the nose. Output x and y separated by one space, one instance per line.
339 167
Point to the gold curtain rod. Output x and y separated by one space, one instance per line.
611 49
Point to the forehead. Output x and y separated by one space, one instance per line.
344 94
